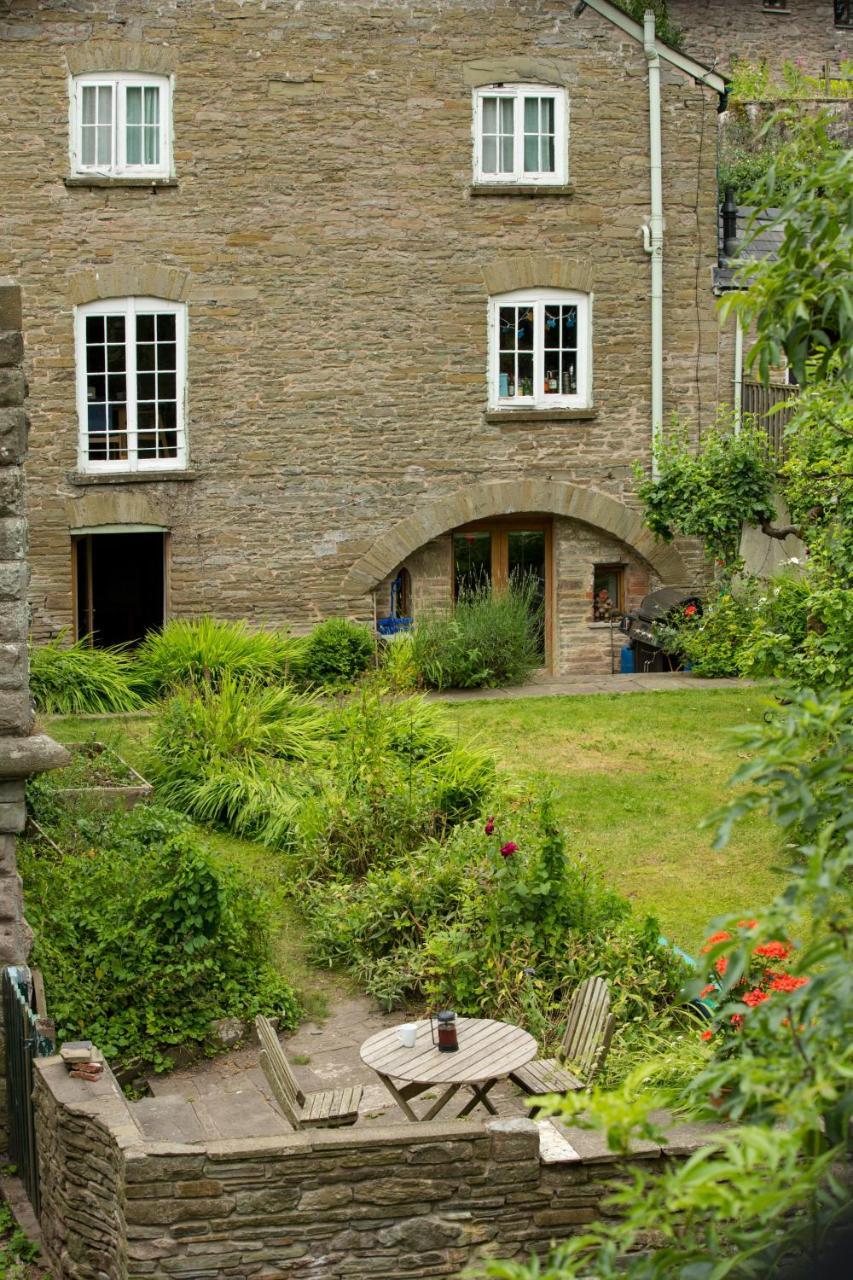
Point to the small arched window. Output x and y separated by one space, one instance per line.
121 125
540 350
131 384
521 134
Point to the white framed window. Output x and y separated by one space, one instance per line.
121 125
521 134
131 384
540 350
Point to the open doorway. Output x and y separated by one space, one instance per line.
120 585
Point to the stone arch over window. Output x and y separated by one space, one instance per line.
120 55
478 502
143 280
538 271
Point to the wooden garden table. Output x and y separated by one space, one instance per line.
488 1051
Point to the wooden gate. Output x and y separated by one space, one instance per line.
29 1035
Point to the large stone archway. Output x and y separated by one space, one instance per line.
480 501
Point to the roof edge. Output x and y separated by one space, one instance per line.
705 75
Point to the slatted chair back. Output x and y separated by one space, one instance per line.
277 1061
589 1027
280 1089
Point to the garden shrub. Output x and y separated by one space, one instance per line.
490 639
336 652
144 939
74 679
491 927
712 641
398 662
194 651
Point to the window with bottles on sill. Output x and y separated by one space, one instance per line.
539 346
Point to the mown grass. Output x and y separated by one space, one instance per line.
633 776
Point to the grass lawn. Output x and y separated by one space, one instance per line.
633 775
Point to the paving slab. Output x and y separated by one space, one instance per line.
578 686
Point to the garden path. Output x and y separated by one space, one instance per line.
544 686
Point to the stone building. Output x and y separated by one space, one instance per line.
815 34
316 293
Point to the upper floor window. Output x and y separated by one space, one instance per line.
844 13
520 134
539 350
121 125
131 384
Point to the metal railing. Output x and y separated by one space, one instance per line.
772 407
28 1035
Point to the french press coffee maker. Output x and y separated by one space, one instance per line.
447 1040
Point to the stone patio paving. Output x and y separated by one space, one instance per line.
228 1097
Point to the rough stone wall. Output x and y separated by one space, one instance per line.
323 234
20 753
407 1200
716 31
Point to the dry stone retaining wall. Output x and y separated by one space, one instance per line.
407 1200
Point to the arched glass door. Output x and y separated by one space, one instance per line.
494 552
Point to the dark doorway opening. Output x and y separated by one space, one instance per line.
120 586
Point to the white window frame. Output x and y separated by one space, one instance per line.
118 166
559 176
130 308
538 299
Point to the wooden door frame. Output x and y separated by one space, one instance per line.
499 527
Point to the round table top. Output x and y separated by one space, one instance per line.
487 1051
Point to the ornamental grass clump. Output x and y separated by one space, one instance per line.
491 639
197 651
336 653
74 679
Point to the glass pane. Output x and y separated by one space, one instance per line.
133 104
88 113
166 386
145 328
527 568
115 328
105 144
97 417
570 326
606 592
490 115
531 154
166 355
168 444
525 375
145 355
152 104
546 110
547 155
531 115
94 328
115 358
168 416
506 154
152 144
96 388
117 387
87 147
95 359
490 155
569 373
507 111
105 105
506 328
145 386
472 561
165 327
506 374
133 145
146 417
552 327
525 329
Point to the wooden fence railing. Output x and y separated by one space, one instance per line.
772 407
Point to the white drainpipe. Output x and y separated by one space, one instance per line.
653 233
738 374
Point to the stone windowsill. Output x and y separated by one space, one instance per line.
131 477
508 417
530 189
149 184
601 626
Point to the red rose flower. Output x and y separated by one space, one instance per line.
721 964
753 998
508 849
690 611
706 991
787 982
706 1035
747 924
489 827
737 1019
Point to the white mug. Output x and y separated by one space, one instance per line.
406 1034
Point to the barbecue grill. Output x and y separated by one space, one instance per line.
664 606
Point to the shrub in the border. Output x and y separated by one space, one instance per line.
336 652
74 679
195 651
